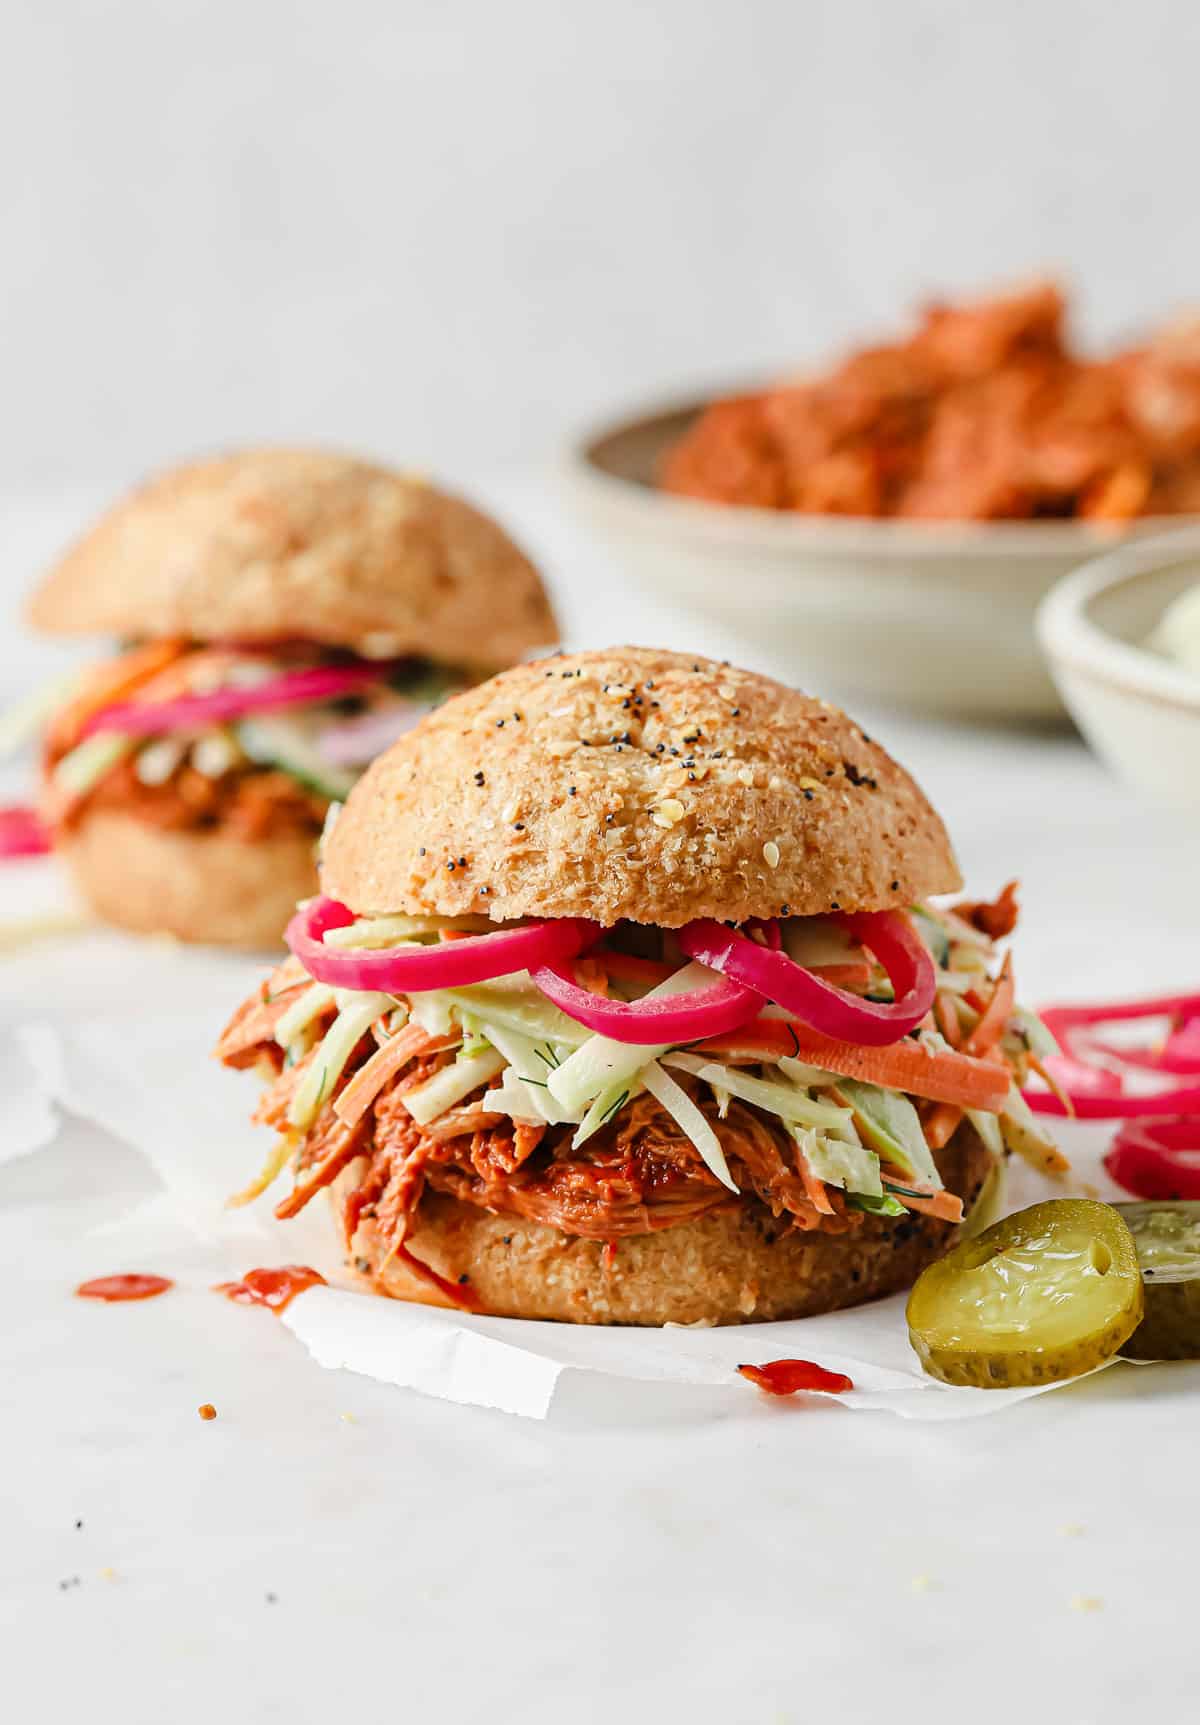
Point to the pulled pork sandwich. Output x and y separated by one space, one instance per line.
286 615
624 1003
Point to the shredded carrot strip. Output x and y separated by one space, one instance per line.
944 1205
939 1075
108 683
323 1174
941 1125
370 1079
996 1014
626 968
854 973
815 1189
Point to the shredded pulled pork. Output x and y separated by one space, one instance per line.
996 917
985 412
248 802
637 1175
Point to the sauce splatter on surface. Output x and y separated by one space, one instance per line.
127 1287
786 1377
273 1288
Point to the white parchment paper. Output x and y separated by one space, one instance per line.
153 1084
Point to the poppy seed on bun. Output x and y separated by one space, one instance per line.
640 784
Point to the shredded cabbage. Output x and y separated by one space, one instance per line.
849 1166
450 1085
891 1125
511 1001
276 1162
86 764
601 1062
347 1030
528 1073
808 1077
1041 1041
511 1097
604 1107
381 931
789 1102
988 1128
814 940
1021 1132
301 1013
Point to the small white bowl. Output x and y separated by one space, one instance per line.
1140 711
936 616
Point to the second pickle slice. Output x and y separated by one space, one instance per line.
1166 1236
1044 1295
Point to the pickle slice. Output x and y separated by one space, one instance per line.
1166 1235
1043 1295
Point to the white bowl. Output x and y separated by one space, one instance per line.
1139 711
936 616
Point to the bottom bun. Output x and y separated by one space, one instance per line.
730 1267
209 887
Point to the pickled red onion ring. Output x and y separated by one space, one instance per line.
356 742
22 833
712 1010
1076 1077
411 969
190 712
1183 1099
1157 1158
845 1017
1094 1090
1179 1054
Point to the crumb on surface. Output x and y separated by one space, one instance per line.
207 1411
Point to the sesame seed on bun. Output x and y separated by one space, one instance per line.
636 784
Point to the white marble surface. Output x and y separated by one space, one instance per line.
643 1550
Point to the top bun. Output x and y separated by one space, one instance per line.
280 544
635 784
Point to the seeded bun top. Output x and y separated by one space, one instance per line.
281 544
638 784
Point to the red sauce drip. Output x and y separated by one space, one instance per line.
124 1287
785 1377
458 1293
274 1288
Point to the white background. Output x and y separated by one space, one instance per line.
447 234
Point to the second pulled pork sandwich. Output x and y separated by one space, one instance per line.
285 614
624 1003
